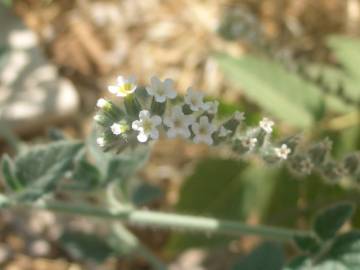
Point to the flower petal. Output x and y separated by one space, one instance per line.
160 99
154 134
144 114
156 120
142 137
136 125
113 89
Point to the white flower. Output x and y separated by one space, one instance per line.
194 99
101 103
240 116
249 142
100 141
211 107
178 123
146 125
283 151
119 128
203 130
266 124
123 87
223 132
161 90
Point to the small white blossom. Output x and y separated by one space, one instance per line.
100 141
194 99
223 132
249 142
161 90
203 130
211 107
266 124
178 123
146 125
101 103
119 128
283 151
240 116
97 117
124 86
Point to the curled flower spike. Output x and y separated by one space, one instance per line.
266 124
283 151
194 99
203 131
124 86
147 126
211 107
100 141
178 123
161 90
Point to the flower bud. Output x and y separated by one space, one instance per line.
300 164
319 152
157 107
332 171
132 105
351 163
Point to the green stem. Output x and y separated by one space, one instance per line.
173 221
125 237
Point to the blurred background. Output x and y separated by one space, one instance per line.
296 61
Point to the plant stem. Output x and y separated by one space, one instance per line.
172 221
125 237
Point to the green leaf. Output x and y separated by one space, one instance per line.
145 193
329 221
281 93
8 172
226 189
307 243
298 263
85 175
267 256
85 246
117 167
347 52
39 168
346 250
121 167
342 255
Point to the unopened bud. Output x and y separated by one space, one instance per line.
352 163
320 151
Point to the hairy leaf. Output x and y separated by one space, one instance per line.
329 221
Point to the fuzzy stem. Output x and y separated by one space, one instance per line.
173 221
125 237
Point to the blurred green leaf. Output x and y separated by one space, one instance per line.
330 220
85 246
145 193
226 189
307 243
267 256
281 93
343 254
7 166
85 175
347 52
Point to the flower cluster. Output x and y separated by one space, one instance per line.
142 114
